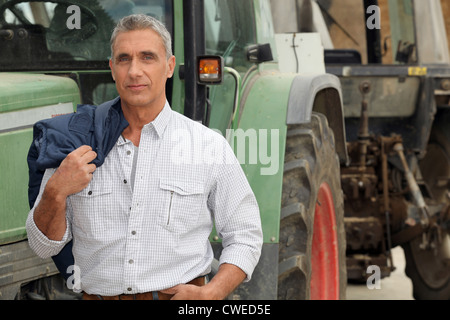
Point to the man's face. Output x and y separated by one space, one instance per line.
140 68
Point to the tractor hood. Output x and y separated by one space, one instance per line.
24 100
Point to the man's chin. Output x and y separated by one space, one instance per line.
135 102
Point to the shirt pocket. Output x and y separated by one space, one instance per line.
89 209
183 202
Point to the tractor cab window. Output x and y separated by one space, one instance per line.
230 30
66 34
382 33
355 31
360 35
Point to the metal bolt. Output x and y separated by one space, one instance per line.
364 87
22 33
7 34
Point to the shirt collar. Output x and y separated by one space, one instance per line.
159 124
122 141
162 120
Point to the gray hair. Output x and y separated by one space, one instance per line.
141 22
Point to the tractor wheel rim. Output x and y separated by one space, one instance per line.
324 256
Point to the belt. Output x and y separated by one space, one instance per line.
152 295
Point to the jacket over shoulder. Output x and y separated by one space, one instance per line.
53 139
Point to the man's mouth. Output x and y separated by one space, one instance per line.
137 87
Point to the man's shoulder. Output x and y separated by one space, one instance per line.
182 122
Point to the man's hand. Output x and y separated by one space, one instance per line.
228 278
75 172
187 292
72 176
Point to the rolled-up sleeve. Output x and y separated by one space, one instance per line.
39 243
237 216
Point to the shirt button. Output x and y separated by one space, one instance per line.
128 153
125 181
131 261
90 193
133 233
129 289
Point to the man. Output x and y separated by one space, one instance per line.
140 222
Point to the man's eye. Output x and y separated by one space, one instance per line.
148 57
124 59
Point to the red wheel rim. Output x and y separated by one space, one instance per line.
324 256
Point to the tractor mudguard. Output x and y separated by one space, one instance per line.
320 93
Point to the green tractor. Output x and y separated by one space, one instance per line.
392 59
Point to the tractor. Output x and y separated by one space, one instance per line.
392 59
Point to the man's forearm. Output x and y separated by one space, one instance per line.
50 214
227 279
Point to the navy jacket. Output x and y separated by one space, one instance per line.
53 139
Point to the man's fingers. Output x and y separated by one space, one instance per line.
89 156
75 172
91 168
85 153
186 292
172 290
81 151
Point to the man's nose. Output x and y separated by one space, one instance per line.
135 68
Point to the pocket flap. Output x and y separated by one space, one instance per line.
182 187
94 191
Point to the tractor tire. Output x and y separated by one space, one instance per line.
429 269
312 261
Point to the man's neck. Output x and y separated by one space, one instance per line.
137 118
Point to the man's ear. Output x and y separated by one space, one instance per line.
171 66
112 69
